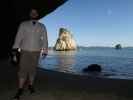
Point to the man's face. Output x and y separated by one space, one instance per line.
34 14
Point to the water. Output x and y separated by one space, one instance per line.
115 63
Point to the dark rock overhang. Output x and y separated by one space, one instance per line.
22 7
15 11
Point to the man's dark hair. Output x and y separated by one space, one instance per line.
35 8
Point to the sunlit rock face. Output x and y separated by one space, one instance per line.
65 41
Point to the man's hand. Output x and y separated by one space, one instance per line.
44 52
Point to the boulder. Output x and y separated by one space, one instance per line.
93 68
65 41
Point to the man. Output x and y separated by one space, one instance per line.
32 39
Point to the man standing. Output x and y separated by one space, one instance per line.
32 39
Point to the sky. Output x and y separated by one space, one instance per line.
93 22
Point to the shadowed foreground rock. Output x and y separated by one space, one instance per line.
65 41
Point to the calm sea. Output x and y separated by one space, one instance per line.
115 63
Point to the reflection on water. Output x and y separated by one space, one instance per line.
65 60
61 61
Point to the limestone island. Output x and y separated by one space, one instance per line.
65 41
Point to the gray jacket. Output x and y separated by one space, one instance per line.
31 37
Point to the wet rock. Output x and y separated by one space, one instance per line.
93 68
